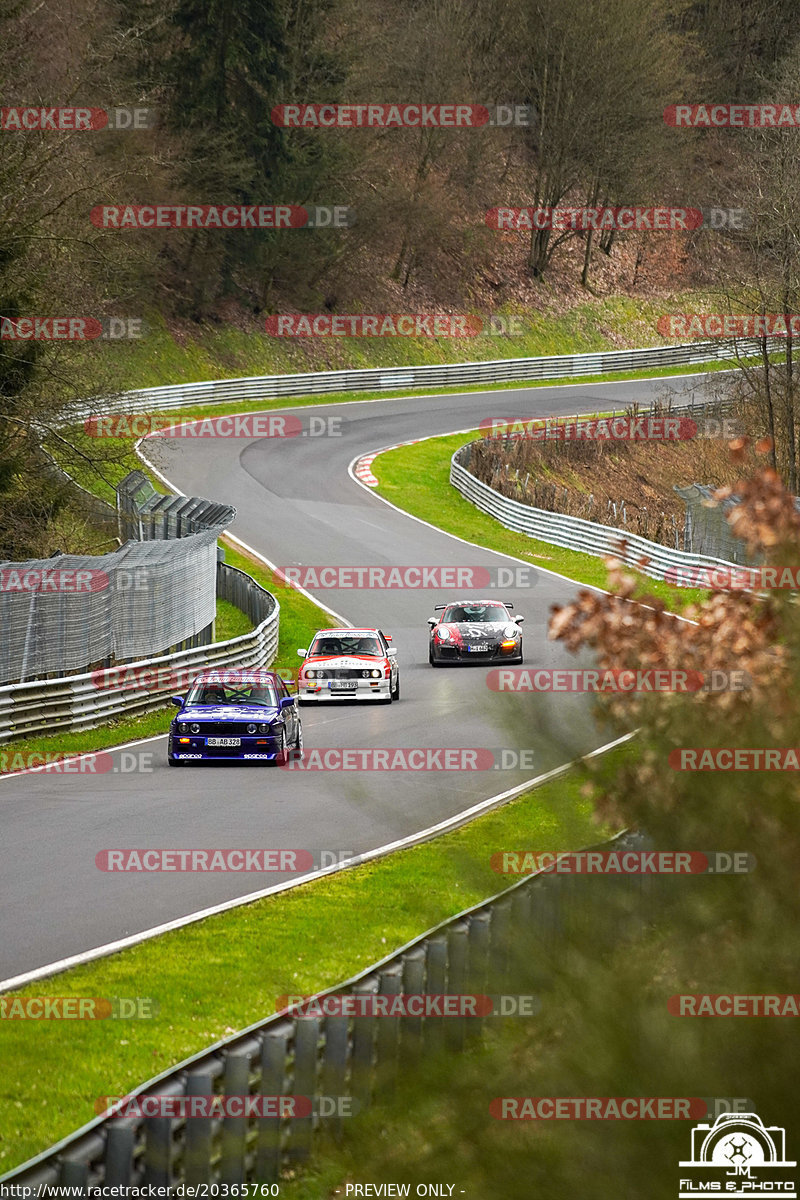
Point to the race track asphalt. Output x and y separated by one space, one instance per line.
297 504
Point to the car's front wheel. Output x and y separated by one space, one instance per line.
297 749
396 691
283 753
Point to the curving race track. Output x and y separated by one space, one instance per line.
298 504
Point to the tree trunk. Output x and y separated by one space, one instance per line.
770 410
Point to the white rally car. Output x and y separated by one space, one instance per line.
349 664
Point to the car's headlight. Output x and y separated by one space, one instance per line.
251 728
443 635
263 728
375 674
182 727
510 631
310 674
194 728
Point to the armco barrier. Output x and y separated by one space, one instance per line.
271 387
572 533
473 952
83 701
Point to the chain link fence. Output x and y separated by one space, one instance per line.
73 612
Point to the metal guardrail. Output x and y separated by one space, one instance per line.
271 387
83 701
475 952
575 533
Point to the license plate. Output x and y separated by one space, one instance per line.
479 648
346 684
223 741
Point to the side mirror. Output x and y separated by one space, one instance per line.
286 702
432 621
302 653
177 701
392 652
519 620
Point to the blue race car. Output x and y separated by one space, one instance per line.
235 716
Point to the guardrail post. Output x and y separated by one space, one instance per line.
158 1151
499 943
197 1147
436 974
413 985
234 1129
306 1056
363 1047
120 1141
274 1053
457 942
334 1070
479 933
387 1048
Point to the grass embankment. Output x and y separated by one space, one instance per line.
222 974
191 352
417 479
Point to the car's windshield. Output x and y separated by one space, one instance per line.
476 613
328 644
211 691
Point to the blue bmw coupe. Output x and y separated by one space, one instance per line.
246 716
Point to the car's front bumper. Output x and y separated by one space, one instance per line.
366 689
193 748
455 655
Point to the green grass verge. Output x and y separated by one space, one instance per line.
231 622
222 974
417 479
217 351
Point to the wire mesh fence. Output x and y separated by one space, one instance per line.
156 593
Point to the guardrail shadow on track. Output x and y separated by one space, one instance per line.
496 947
